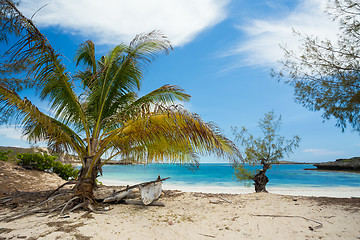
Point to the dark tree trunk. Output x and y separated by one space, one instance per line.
260 179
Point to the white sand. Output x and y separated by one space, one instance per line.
202 216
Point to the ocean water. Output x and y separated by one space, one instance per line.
218 177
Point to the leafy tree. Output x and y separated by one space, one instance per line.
325 76
266 150
107 118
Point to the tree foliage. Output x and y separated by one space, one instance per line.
265 150
24 41
325 76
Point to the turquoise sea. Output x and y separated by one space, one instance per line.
218 177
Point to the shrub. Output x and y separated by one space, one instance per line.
4 155
36 161
47 163
66 171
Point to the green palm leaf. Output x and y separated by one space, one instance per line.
38 126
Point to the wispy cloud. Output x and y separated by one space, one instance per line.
114 21
10 132
322 152
264 36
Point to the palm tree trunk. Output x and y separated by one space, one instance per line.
86 184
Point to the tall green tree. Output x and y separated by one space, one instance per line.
265 151
107 118
325 75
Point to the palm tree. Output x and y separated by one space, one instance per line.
107 118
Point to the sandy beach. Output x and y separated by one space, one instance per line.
200 216
186 215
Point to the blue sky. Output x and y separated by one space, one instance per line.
223 53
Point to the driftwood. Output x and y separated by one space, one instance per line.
221 200
320 225
150 192
117 197
207 235
226 200
135 202
142 184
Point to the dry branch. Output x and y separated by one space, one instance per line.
207 235
70 182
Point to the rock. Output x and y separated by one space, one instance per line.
352 164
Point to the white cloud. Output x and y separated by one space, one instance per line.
10 132
115 21
264 37
322 152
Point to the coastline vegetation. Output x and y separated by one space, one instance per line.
4 155
47 163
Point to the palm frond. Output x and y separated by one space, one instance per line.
165 95
126 107
174 134
86 55
45 67
38 126
124 71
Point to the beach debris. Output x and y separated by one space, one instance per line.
135 202
76 202
6 199
226 200
320 225
217 201
117 197
150 192
207 235
32 210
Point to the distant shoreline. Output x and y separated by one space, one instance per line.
332 170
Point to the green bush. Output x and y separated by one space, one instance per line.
36 161
4 155
47 163
66 171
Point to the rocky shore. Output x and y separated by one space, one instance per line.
352 164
